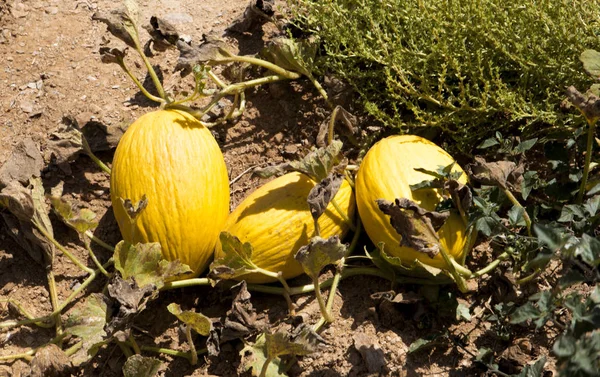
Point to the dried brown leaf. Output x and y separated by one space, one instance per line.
25 162
417 226
257 13
319 196
164 35
50 361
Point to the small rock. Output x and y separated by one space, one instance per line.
371 353
27 107
51 10
178 18
290 149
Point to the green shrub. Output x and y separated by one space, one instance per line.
466 67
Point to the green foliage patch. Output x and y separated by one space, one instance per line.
467 67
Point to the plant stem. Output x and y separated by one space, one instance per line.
516 203
588 160
134 344
25 313
286 293
185 283
96 261
193 354
265 367
99 241
61 248
99 162
451 263
139 84
54 301
290 75
56 311
343 215
320 89
529 278
490 267
125 348
24 355
324 312
151 72
74 348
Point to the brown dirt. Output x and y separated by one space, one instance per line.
51 68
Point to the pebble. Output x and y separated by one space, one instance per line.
178 18
51 10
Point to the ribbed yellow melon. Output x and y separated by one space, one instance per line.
276 220
386 172
170 157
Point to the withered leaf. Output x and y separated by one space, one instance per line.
294 55
141 366
270 171
50 361
254 357
145 264
122 23
349 121
240 321
319 196
498 173
588 104
211 50
25 162
28 210
113 55
237 260
197 321
257 13
280 344
164 35
80 220
87 322
134 210
115 21
417 226
319 163
319 253
129 300
460 194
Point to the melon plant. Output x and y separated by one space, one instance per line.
173 160
276 220
387 172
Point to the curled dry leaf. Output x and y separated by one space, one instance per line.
50 361
349 121
141 366
499 173
240 321
588 104
164 35
128 300
460 194
294 55
144 264
113 55
257 13
28 210
197 321
134 210
319 253
211 50
237 260
25 162
319 196
417 226
122 23
80 220
317 164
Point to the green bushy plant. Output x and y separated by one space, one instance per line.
467 68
